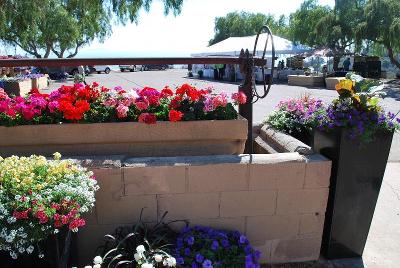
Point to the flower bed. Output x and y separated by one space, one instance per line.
213 127
38 199
296 117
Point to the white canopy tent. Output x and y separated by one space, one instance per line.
233 45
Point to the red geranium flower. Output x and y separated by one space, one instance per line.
175 116
166 92
147 118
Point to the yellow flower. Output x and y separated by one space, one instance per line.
345 87
57 156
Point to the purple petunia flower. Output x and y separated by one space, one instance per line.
214 245
190 240
207 264
195 265
187 251
199 258
243 239
180 261
225 243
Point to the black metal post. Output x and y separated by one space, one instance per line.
246 110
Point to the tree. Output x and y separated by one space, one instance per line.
382 25
236 24
40 27
303 24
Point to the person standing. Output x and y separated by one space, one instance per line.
346 64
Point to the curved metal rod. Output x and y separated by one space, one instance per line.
267 30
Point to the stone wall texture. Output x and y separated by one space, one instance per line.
277 200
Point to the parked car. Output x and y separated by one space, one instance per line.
100 68
57 73
148 67
131 68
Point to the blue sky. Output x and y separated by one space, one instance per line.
189 32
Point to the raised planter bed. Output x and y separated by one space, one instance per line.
209 137
331 82
20 88
40 82
306 81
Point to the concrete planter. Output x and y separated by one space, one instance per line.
39 83
306 81
331 82
21 88
209 137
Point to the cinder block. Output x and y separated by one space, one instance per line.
302 201
272 227
127 209
318 174
248 203
297 250
189 206
311 224
154 180
277 176
218 178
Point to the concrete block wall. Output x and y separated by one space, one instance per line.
277 200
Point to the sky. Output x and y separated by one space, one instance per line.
158 35
189 32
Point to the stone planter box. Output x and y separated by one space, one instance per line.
332 81
306 81
21 88
207 137
39 83
278 200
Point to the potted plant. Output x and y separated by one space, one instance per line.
94 120
296 117
41 206
356 134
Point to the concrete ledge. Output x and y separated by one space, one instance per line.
282 142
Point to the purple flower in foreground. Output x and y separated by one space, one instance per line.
190 240
243 239
214 245
199 258
207 264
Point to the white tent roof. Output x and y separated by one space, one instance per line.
232 46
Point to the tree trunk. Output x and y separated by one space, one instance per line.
392 57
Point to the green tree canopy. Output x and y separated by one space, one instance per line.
40 27
236 24
382 25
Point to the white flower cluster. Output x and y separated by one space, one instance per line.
146 260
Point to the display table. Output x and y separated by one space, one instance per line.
306 81
332 81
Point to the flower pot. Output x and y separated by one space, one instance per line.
50 254
21 88
208 137
357 173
